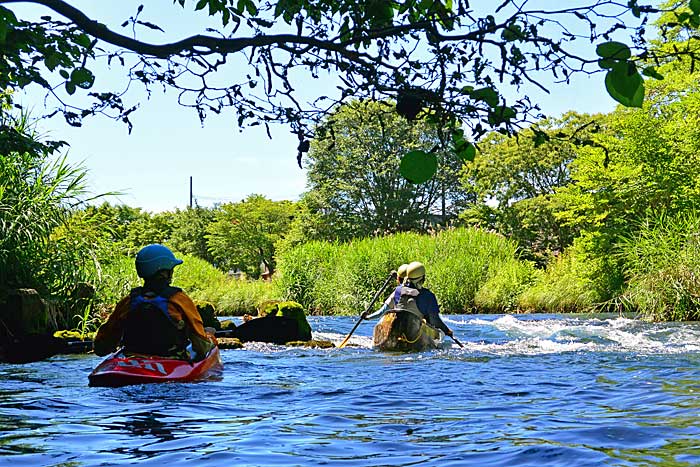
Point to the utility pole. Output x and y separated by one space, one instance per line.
190 191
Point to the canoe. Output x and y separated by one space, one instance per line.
404 331
120 370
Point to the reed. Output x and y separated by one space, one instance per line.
563 287
335 278
663 266
229 296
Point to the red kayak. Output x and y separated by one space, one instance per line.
120 369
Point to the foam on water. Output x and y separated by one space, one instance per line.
526 390
529 335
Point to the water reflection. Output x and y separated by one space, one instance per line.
532 390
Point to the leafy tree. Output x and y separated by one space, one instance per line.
189 231
354 176
150 228
648 171
116 222
447 57
244 234
515 180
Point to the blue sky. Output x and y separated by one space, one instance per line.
152 165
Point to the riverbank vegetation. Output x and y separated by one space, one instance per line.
572 213
603 221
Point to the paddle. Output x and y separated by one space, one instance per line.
391 277
458 342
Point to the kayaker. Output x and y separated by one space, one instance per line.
412 295
155 319
389 302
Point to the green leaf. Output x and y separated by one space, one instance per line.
418 166
501 114
83 40
7 19
512 32
651 72
607 63
64 74
70 88
201 4
695 6
52 61
345 30
82 77
539 137
381 12
466 151
612 49
251 8
625 85
488 95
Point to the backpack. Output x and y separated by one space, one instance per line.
149 328
405 300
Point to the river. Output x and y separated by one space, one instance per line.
526 390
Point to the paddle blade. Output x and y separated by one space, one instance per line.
344 343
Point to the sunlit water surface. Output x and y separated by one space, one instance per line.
541 390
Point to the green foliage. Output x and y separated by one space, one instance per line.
355 174
515 180
437 58
501 292
663 264
36 191
150 228
648 165
244 234
189 231
565 286
342 278
229 296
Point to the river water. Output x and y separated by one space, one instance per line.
539 390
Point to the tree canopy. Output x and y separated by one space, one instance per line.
243 235
449 58
354 174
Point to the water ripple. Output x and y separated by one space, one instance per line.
539 390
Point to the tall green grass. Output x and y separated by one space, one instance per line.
663 267
230 296
342 278
562 287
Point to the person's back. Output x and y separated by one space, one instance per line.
423 299
155 319
149 328
405 299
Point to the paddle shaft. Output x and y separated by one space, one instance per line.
391 277
458 342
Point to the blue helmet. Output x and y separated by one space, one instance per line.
154 258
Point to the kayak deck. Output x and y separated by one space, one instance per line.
120 370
